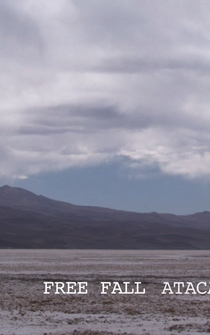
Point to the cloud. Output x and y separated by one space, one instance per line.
19 35
83 83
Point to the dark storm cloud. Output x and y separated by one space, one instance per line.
92 119
72 118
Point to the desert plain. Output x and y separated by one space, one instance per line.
26 310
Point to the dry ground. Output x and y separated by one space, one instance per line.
24 309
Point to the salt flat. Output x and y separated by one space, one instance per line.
24 309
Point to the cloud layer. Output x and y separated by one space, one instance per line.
86 82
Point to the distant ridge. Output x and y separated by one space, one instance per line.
28 220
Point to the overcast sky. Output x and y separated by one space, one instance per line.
107 102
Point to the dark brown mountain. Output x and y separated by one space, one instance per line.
31 221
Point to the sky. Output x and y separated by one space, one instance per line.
107 103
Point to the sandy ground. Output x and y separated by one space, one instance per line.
24 309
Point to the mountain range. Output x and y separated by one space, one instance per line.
28 220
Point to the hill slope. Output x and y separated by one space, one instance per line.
31 221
